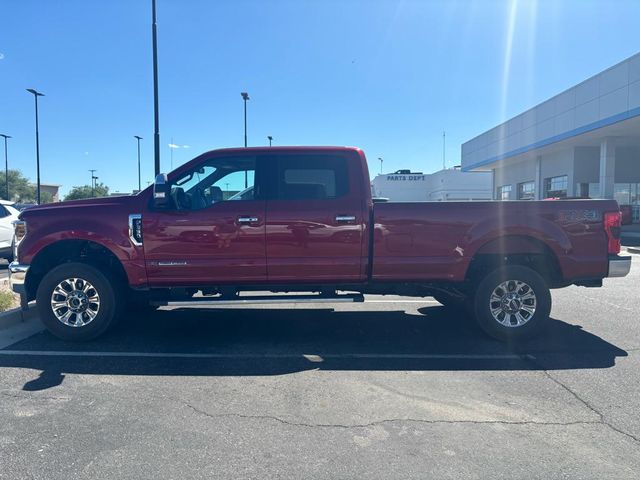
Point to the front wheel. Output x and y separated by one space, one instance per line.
77 302
512 303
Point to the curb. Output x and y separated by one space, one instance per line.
16 315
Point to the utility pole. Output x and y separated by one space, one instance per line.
156 118
6 164
93 188
444 134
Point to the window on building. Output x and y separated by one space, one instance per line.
504 192
556 187
587 190
527 191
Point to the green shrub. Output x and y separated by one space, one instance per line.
7 300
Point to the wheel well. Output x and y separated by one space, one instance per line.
64 251
516 250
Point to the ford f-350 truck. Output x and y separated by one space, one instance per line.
304 226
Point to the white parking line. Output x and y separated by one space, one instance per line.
314 357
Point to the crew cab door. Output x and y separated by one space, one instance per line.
213 231
315 218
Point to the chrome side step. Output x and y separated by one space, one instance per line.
262 299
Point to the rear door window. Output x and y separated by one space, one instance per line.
312 177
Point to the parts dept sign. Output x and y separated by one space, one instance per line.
406 178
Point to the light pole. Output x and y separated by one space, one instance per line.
245 97
156 118
6 163
381 160
138 138
37 94
270 139
92 179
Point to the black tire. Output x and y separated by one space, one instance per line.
499 327
110 304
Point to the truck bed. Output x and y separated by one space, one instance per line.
437 240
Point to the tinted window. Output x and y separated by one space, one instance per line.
312 177
556 187
214 181
3 212
526 191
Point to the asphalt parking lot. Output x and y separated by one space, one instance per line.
395 388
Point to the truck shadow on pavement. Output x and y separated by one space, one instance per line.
247 342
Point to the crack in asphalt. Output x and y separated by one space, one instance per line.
384 421
590 407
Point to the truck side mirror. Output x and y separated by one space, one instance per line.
161 191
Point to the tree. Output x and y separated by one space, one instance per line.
85 191
20 189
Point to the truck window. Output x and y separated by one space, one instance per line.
312 177
214 181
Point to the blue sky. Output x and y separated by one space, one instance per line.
387 76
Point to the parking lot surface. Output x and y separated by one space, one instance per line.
393 388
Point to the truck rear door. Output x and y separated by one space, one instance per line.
315 218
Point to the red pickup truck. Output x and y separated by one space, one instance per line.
304 226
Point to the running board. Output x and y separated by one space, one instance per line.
261 299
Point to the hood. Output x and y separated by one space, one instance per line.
99 204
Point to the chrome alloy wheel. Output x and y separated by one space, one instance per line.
512 303
75 302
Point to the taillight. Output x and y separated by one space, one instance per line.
612 225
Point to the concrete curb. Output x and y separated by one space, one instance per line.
16 315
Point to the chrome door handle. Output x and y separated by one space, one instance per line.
247 219
345 218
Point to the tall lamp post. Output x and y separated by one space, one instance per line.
93 178
270 139
156 115
139 183
6 164
245 97
37 94
381 160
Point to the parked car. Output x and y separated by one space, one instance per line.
309 224
8 215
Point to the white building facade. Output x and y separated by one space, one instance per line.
446 185
584 142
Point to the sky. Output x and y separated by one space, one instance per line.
388 76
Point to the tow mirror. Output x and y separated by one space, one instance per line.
161 191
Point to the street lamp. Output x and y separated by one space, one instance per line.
381 160
245 97
270 139
37 94
6 163
156 115
92 179
139 183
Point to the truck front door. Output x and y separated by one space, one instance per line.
213 231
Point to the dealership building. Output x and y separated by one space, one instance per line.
584 142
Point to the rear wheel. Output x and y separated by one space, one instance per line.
77 302
512 303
